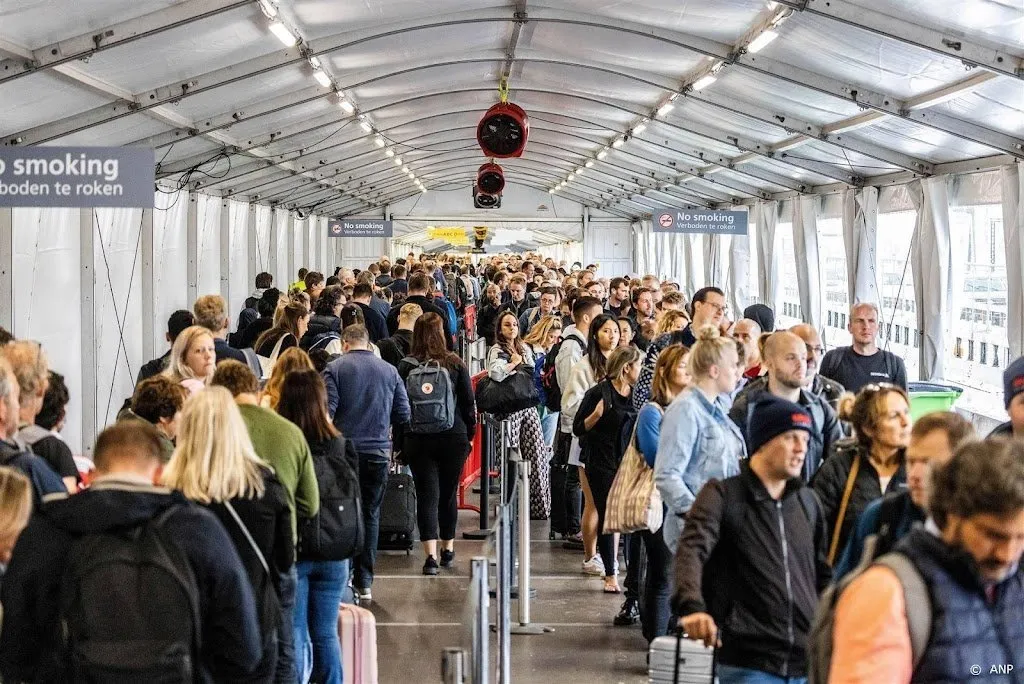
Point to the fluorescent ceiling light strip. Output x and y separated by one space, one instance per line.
761 41
283 33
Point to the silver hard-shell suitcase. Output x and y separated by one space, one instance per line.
678 660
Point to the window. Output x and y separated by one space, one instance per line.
979 297
896 281
832 257
788 285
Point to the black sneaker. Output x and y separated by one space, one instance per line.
430 566
447 558
628 615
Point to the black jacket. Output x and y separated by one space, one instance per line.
224 351
232 644
319 325
601 446
420 301
830 483
756 565
154 367
827 430
517 308
829 390
395 348
1004 430
269 522
399 286
44 478
485 319
376 326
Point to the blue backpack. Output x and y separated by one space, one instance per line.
452 318
538 376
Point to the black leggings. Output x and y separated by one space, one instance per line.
436 462
600 485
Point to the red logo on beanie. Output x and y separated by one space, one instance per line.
801 419
1018 382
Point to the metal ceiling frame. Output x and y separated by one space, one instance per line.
815 81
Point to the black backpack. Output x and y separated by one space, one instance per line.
336 531
549 378
129 607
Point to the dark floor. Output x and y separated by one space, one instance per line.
417 617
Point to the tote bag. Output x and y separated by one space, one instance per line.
634 503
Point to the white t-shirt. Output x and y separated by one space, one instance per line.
884 482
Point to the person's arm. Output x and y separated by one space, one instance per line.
832 430
499 364
307 492
828 484
697 542
331 383
284 541
738 412
401 413
465 401
573 391
588 412
871 636
676 444
901 373
232 644
648 430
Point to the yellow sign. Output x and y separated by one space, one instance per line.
480 232
455 236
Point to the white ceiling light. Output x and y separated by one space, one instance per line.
346 105
283 33
398 161
552 191
590 163
665 109
424 191
378 141
405 169
389 152
570 176
366 126
603 153
268 9
761 41
640 127
703 82
322 78
619 142
314 62
411 175
579 171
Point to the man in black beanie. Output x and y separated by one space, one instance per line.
762 315
760 540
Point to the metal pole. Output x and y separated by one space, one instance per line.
524 626
503 617
453 666
486 445
481 661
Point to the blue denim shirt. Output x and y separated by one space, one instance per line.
698 442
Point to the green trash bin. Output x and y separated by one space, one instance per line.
928 397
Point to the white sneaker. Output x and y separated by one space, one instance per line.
594 566
364 595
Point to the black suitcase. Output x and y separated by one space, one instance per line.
397 514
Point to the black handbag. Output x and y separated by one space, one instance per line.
515 393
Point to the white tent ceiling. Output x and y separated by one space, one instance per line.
851 91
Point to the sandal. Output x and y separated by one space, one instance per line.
612 589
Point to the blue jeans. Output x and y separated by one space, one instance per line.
285 673
321 588
373 478
548 426
727 674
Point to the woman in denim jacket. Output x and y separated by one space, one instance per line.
698 441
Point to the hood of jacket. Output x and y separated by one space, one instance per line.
108 504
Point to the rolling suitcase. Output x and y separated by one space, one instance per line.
357 631
678 660
397 514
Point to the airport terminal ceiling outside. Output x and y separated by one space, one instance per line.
632 105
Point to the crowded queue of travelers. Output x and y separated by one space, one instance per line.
780 471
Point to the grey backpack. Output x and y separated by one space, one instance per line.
431 397
916 598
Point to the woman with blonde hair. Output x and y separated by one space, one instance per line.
698 441
192 359
671 321
293 359
867 466
215 465
541 338
15 509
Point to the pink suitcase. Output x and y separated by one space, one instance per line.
357 630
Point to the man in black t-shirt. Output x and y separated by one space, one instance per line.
863 362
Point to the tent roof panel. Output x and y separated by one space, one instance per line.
912 138
49 95
24 19
997 104
996 21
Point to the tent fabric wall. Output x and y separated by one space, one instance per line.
1013 236
766 219
805 246
713 267
860 237
241 281
739 273
117 303
264 241
208 245
47 293
170 257
281 269
931 262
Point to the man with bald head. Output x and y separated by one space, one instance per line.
746 331
785 359
826 388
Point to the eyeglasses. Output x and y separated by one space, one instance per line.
717 307
819 350
877 387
